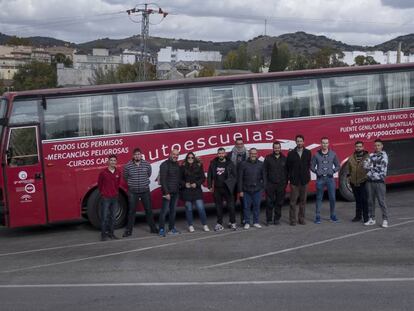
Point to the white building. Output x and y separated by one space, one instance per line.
131 57
168 55
84 67
389 57
100 58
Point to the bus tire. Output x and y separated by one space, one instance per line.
93 210
345 189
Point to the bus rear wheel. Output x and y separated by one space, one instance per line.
94 206
345 189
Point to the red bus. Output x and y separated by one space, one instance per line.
54 142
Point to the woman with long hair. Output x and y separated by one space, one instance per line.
192 177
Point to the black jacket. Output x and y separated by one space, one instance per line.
275 170
299 167
230 177
170 177
250 177
192 174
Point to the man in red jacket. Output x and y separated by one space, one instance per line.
108 185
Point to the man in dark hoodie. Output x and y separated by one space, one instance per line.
170 178
221 179
275 178
298 163
325 164
357 176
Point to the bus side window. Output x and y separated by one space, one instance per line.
22 147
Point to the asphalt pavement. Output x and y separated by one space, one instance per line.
331 266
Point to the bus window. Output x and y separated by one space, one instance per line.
397 88
24 112
22 147
79 116
155 110
288 99
412 89
217 105
352 94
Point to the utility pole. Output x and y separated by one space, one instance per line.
399 53
145 15
265 33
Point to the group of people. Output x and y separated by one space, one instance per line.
240 176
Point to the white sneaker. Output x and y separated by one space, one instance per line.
233 227
218 227
256 225
246 226
370 222
384 223
191 229
206 228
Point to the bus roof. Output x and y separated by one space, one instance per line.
208 80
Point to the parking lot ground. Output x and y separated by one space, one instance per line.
331 266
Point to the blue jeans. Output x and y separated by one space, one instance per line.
251 198
108 206
201 211
329 183
168 207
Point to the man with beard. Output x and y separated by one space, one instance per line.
357 177
237 155
275 177
221 179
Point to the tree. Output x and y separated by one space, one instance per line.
362 60
299 62
322 58
231 60
256 63
35 75
18 41
280 57
122 74
61 58
207 71
242 58
2 87
359 60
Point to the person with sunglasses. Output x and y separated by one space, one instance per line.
192 177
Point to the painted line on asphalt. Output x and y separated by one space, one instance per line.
225 283
137 250
282 251
38 250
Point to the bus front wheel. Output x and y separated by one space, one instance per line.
94 207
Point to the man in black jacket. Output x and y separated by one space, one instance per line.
298 163
275 177
221 179
238 155
170 183
250 186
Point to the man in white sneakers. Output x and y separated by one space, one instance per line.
376 166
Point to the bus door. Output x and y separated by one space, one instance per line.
24 177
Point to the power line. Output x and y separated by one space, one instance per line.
145 14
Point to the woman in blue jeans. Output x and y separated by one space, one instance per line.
192 177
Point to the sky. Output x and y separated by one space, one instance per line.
361 22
